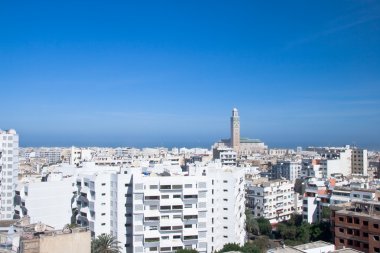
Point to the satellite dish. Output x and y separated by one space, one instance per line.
40 227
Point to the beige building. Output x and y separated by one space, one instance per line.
77 240
359 159
22 237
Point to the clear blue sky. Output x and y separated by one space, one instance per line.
150 73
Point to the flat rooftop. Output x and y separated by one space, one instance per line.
347 250
313 245
285 249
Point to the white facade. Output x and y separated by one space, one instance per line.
228 157
9 166
47 202
273 200
288 170
150 212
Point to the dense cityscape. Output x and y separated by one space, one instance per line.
177 126
240 195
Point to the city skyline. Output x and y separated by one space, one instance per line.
168 74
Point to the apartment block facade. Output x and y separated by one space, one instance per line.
274 200
9 166
164 212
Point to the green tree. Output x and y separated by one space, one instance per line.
186 251
252 226
265 227
230 247
303 232
326 212
105 243
250 248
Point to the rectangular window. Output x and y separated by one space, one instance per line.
153 187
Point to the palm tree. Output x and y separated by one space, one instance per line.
105 243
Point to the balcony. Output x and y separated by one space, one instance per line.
190 239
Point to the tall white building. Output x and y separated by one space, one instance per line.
150 212
9 171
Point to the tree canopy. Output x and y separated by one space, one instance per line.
105 243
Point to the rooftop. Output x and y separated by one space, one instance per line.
284 250
313 245
347 250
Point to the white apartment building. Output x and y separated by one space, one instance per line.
48 202
150 212
320 194
228 157
287 169
9 166
273 200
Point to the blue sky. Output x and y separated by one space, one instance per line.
152 73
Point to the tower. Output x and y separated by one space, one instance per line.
235 130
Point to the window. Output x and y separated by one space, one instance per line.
225 190
153 249
190 237
165 217
179 186
153 187
365 223
165 248
103 194
165 207
127 185
225 218
188 205
176 196
103 224
365 234
188 226
164 196
177 216
155 239
376 237
341 241
176 237
225 199
225 227
188 185
151 197
103 184
225 209
165 187
103 214
225 181
376 225
341 219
